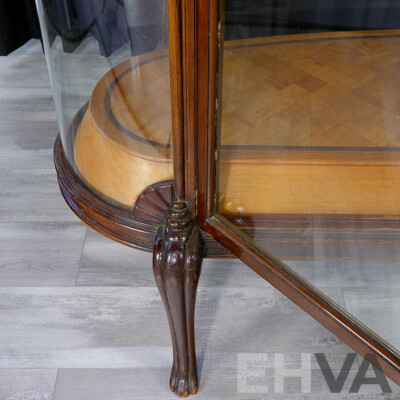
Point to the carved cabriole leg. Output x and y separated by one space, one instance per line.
177 258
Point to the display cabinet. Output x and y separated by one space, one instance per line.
265 130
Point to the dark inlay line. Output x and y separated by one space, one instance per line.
110 114
318 148
133 135
311 40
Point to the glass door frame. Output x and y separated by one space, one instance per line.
195 39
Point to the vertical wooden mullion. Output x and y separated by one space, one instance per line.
190 101
207 59
193 52
177 101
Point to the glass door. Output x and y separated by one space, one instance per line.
306 181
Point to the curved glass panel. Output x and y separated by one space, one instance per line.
309 140
109 68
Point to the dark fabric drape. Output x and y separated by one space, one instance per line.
106 20
75 20
257 18
18 24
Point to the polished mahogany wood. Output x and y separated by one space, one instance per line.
177 103
177 259
154 202
209 40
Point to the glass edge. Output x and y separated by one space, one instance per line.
330 304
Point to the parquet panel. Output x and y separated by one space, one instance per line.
318 93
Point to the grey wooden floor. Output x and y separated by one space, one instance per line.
80 316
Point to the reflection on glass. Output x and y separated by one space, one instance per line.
310 144
109 67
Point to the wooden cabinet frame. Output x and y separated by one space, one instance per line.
202 171
195 38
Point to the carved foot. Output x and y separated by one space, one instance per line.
177 258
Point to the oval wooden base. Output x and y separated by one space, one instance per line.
308 126
110 220
137 228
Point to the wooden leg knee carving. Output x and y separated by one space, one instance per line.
177 258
